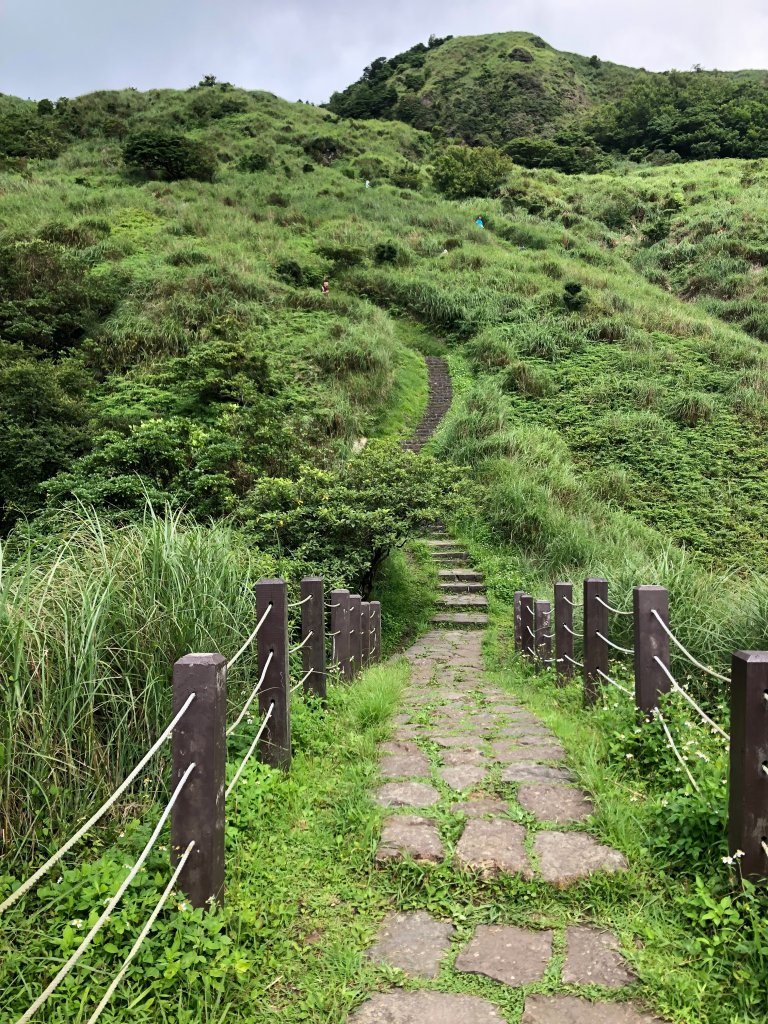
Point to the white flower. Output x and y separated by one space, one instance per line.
727 860
77 923
739 853
629 757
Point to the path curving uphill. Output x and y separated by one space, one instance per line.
440 395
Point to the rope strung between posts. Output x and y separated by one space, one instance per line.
251 638
578 664
530 610
41 871
675 751
548 636
336 604
689 656
106 913
252 697
303 680
678 689
616 647
530 631
573 632
573 604
372 614
307 638
298 604
764 846
251 749
618 685
616 611
142 935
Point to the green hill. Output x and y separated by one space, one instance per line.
551 108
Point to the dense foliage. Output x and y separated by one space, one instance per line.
561 110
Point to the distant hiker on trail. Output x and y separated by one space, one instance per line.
367 183
479 222
326 288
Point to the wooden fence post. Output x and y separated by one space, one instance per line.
376 622
355 645
275 744
651 641
365 626
313 621
564 638
519 594
340 631
198 813
748 782
595 649
527 625
542 618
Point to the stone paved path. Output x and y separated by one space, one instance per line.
463 749
440 393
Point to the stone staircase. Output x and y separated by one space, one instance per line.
440 395
461 600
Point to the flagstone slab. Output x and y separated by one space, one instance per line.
531 772
492 847
560 804
511 753
454 758
463 776
414 942
593 958
406 794
408 834
465 741
513 956
574 1010
480 807
565 857
426 1008
411 764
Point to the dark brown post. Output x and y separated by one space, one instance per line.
527 625
355 646
365 627
542 617
651 642
313 621
748 783
564 631
376 622
519 594
200 738
340 631
595 649
275 744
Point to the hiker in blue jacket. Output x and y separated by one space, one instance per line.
479 222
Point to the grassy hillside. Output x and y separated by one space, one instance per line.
551 108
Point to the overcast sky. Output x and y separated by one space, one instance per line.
304 49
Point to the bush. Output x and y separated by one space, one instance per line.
574 297
461 172
385 252
159 153
254 160
692 407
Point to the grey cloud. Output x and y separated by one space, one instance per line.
302 49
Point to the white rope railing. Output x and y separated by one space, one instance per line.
608 679
675 751
106 913
573 604
298 647
303 680
251 638
530 631
578 664
298 604
764 846
678 689
142 934
689 656
52 861
616 647
251 749
573 632
530 610
616 611
253 695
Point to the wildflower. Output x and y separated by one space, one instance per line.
77 923
183 906
738 854
727 860
629 757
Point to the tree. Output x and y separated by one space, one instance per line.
461 172
160 153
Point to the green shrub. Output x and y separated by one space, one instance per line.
160 153
692 407
254 160
385 252
461 172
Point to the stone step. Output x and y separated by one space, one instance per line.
461 588
463 601
460 575
461 620
440 543
450 556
